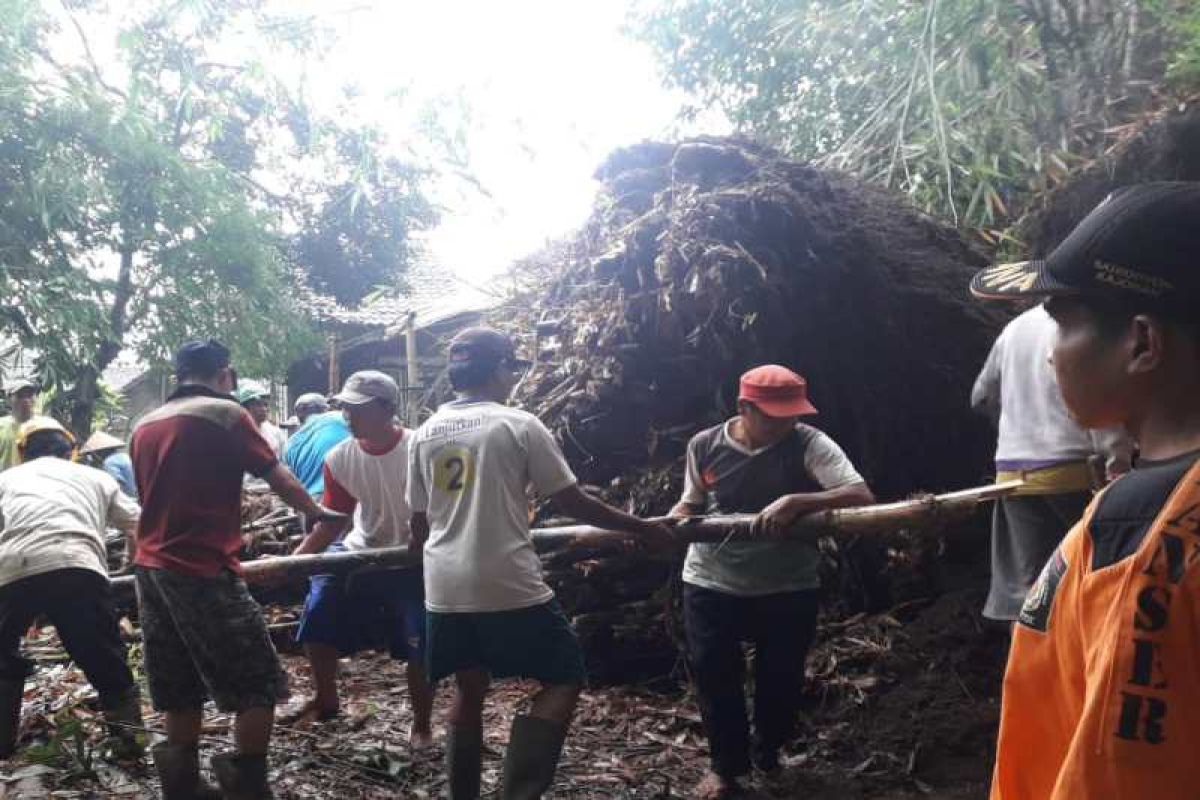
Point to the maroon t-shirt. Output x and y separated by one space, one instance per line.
188 459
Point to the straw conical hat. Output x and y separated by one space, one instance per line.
100 441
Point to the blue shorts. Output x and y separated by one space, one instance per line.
369 610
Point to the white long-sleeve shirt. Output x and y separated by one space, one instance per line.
55 514
1036 430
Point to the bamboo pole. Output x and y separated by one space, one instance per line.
927 513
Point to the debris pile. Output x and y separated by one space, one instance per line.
705 258
700 260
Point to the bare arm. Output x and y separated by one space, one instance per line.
685 509
775 519
123 513
574 502
284 483
985 394
326 532
418 527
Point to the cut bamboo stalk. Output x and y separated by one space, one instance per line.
926 513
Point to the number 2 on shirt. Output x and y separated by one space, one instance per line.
453 469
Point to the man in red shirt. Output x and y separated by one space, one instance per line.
203 632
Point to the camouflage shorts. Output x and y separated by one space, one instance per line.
206 637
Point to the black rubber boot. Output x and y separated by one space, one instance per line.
179 772
126 730
464 762
10 714
532 757
242 777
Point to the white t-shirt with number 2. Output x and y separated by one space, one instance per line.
470 467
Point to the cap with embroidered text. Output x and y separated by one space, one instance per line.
1142 243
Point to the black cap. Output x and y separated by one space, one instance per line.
1142 243
201 357
483 346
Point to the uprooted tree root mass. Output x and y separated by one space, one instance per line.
701 260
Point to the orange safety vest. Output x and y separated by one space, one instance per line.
1102 691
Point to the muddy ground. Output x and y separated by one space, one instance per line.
901 704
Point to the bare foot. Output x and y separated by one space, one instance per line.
715 787
307 715
420 738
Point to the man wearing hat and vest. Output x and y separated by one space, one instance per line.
1102 690
53 562
22 399
365 476
765 462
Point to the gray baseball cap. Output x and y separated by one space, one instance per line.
367 385
310 401
21 384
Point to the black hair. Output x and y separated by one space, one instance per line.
467 375
200 360
55 444
1113 315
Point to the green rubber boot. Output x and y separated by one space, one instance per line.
126 730
532 757
242 777
179 772
464 762
10 714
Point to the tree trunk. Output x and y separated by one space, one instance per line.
86 391
929 513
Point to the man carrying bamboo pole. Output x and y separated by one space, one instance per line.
1102 691
490 613
765 462
203 632
365 476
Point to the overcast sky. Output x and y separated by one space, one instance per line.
544 90
551 87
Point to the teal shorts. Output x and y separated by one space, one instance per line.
536 642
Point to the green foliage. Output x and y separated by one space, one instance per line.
968 106
1183 26
362 225
133 211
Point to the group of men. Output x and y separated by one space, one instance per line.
1101 692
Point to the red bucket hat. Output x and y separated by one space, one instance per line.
776 391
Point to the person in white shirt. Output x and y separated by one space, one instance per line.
365 476
53 562
1040 443
253 398
490 612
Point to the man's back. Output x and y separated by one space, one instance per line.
55 514
470 467
188 457
1035 427
306 450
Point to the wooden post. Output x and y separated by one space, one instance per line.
413 370
335 376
